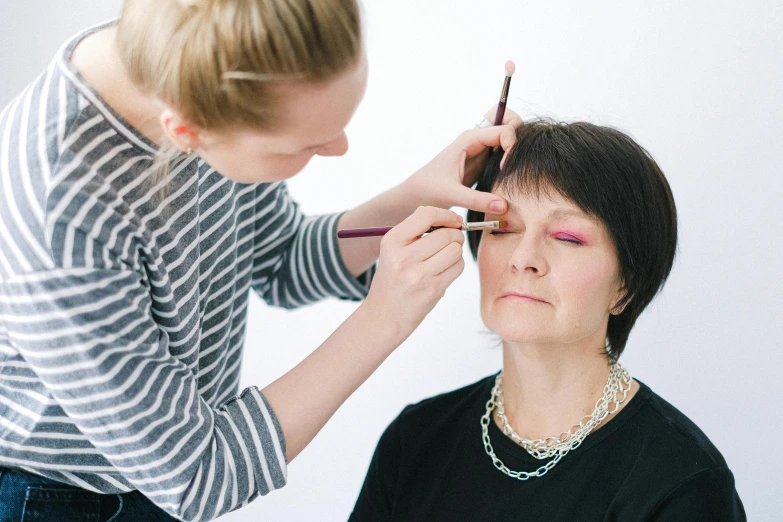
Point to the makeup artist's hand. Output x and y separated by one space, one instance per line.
445 181
414 271
475 164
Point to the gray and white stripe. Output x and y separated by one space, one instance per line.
123 306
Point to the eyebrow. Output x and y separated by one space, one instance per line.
560 213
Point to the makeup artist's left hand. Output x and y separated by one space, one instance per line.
445 181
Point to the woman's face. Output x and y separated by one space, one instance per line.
551 277
313 119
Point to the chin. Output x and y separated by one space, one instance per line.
245 172
519 330
515 336
258 177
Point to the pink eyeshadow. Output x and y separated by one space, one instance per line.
570 235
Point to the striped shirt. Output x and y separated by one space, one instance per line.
123 305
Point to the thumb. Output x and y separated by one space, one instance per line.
485 202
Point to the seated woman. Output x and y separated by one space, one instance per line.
563 432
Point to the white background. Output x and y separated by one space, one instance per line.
697 83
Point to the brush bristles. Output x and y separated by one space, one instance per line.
510 68
485 225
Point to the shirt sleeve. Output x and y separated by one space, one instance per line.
296 258
376 498
708 495
89 336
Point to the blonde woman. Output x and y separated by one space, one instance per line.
143 196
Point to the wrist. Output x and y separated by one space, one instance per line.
381 324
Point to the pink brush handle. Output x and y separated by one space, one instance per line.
362 232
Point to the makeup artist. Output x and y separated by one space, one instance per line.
143 196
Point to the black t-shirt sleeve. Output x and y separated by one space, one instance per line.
376 498
709 495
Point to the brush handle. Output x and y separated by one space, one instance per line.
362 232
502 103
349 233
500 113
380 231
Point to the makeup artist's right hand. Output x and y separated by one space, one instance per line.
414 270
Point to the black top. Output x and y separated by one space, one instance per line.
649 462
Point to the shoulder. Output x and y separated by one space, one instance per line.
444 408
668 426
707 495
665 453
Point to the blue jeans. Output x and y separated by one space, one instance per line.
25 497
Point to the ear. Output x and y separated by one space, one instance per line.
616 309
183 135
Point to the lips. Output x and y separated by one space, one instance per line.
517 296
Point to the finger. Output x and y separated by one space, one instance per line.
509 116
512 118
415 225
433 243
485 202
508 136
448 276
474 141
508 139
444 259
490 114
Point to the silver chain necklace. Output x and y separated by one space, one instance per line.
615 392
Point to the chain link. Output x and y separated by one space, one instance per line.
615 392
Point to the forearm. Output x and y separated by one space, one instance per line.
386 209
306 397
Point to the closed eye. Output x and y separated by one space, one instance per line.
568 238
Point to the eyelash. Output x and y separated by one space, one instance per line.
573 241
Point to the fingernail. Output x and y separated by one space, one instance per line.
496 206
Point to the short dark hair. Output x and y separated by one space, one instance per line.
610 177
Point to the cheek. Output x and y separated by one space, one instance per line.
284 167
490 265
265 169
588 287
248 162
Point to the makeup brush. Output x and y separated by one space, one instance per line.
369 232
510 68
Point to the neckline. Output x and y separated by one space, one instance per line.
502 443
133 135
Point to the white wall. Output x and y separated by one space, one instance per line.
697 83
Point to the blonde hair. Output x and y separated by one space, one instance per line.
217 61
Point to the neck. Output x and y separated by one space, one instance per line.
98 61
547 389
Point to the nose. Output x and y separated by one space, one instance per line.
338 147
529 256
